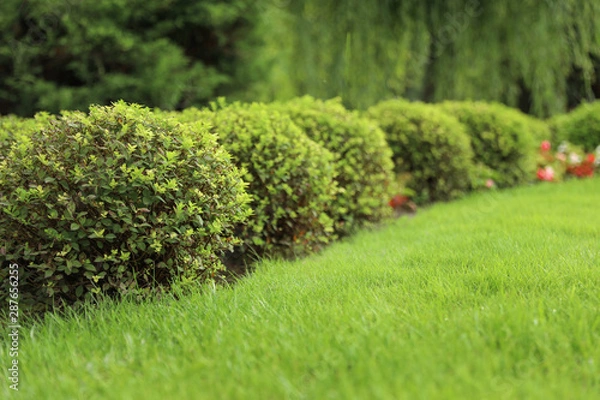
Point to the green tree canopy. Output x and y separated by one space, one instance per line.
542 56
66 54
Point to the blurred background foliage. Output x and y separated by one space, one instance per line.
66 54
542 56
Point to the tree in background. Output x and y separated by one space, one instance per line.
540 56
66 54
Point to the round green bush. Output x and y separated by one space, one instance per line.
290 178
581 126
540 129
502 140
429 145
362 158
557 133
12 128
116 201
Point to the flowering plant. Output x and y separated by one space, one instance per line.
402 205
568 161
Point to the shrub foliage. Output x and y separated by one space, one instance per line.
362 158
11 129
115 201
290 178
429 145
502 140
581 126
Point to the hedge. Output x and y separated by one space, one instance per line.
362 157
428 145
290 179
115 202
581 126
501 139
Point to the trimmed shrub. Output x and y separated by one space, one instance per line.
540 129
115 202
429 145
362 158
12 128
290 178
501 139
557 133
581 126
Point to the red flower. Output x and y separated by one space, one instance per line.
398 201
582 170
402 205
541 174
545 146
545 174
590 158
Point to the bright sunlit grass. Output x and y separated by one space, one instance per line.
496 296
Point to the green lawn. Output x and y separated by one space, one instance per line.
496 296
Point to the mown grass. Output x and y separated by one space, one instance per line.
496 296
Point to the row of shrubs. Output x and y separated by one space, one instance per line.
451 148
445 150
124 199
127 200
580 127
